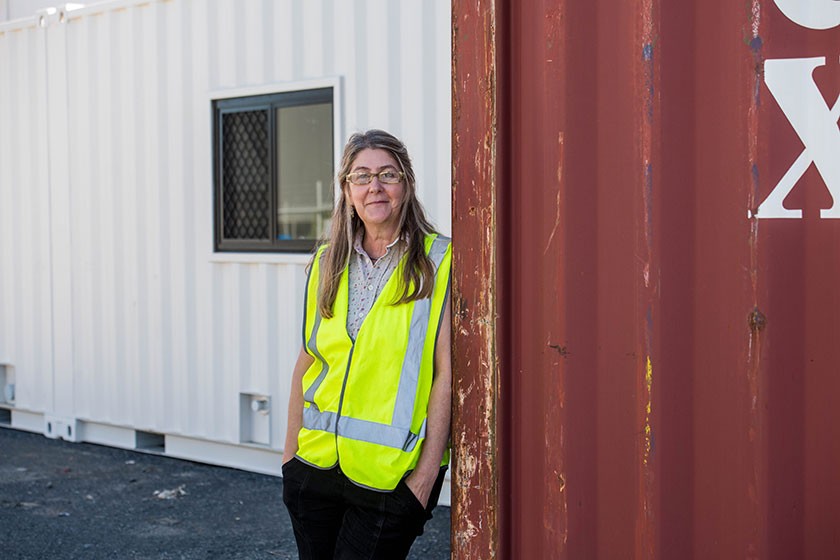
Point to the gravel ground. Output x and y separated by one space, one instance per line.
61 500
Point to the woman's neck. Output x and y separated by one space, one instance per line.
375 242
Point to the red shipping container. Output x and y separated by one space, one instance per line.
647 279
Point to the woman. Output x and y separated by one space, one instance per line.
369 412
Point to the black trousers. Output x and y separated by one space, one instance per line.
333 518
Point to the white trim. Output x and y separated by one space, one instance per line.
19 24
238 456
95 8
260 258
108 434
27 421
59 10
278 87
334 82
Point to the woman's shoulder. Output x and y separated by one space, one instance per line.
436 237
437 242
437 247
317 256
320 249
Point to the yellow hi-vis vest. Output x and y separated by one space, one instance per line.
365 401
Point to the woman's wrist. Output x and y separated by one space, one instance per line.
426 471
288 455
421 485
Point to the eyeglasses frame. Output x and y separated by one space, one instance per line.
377 175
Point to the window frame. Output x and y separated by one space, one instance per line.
269 98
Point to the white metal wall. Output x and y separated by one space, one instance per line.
113 309
25 269
17 9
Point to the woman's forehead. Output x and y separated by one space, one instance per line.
374 158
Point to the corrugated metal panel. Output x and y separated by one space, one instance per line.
26 341
22 9
163 334
667 360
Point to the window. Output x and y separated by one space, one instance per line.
273 170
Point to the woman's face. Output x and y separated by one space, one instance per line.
377 204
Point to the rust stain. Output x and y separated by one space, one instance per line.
562 350
755 45
562 480
648 386
757 320
559 205
564 511
475 364
645 517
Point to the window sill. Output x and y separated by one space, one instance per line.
260 258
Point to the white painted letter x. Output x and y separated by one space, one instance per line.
792 83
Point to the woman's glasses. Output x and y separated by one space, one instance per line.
387 176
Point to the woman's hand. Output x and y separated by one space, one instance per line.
421 485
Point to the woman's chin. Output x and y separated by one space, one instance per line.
378 219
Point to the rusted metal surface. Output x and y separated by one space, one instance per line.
666 343
475 505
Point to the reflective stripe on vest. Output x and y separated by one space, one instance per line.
387 435
309 396
398 434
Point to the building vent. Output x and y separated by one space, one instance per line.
149 442
7 385
254 419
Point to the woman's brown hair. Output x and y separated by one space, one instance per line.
418 273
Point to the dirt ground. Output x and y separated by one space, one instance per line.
61 500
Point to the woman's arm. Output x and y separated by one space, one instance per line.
295 421
422 479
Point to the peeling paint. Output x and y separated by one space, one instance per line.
757 320
556 224
647 56
560 349
558 204
647 92
648 386
648 199
475 363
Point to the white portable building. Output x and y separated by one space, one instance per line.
130 315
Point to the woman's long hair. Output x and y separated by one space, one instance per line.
418 273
